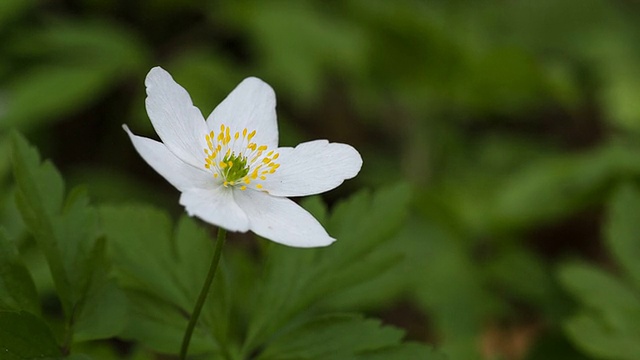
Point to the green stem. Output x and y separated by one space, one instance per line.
203 293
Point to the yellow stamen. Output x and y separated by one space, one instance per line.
238 167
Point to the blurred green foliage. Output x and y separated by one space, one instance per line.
516 124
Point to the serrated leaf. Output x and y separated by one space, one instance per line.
38 201
102 312
68 235
17 290
623 231
162 271
332 336
159 325
24 336
297 279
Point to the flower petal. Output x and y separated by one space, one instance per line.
312 167
179 124
180 174
251 105
215 205
281 220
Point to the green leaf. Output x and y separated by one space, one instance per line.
296 280
87 59
17 290
623 231
556 186
447 282
24 336
407 350
332 336
296 39
39 197
597 338
10 9
102 312
609 324
65 86
162 271
68 235
5 153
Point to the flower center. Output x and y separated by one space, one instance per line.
236 160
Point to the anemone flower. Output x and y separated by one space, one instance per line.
229 168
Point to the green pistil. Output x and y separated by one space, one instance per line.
236 168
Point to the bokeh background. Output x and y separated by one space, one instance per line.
514 122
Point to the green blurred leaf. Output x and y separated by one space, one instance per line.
86 60
556 186
623 231
298 42
42 94
450 286
24 336
10 9
332 336
17 290
521 274
162 271
609 325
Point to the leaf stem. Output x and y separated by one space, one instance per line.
222 234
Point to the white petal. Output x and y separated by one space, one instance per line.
178 123
216 206
251 105
281 220
180 174
312 167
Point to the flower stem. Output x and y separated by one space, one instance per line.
222 234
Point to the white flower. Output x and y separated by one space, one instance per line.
229 168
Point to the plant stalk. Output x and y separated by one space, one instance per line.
222 234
